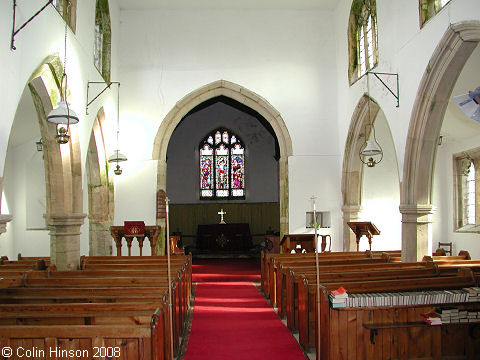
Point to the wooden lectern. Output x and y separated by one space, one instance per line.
361 228
304 241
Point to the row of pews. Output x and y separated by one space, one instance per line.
114 307
289 281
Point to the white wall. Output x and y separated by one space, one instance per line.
20 235
381 193
44 36
405 49
166 54
296 59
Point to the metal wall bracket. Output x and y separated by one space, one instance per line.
397 95
107 86
15 32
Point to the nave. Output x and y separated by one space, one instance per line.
231 318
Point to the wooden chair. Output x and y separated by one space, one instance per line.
447 247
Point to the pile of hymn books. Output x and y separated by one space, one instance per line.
432 318
340 299
473 294
454 315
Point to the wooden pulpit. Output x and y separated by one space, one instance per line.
135 230
361 228
298 243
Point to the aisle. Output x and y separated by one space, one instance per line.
232 320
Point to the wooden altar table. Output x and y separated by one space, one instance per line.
224 237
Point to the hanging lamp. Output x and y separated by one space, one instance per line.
62 115
371 152
117 156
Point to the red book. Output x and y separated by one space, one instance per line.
339 293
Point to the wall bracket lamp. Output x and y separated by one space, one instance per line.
107 86
15 32
395 95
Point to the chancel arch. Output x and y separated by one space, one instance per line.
100 192
63 172
426 120
248 99
370 194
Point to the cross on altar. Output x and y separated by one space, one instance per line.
221 213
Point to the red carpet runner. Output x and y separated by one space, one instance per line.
232 320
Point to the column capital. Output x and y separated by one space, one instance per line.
349 209
420 209
64 219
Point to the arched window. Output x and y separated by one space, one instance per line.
429 8
68 10
362 38
470 196
466 180
103 36
222 166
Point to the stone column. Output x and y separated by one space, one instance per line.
4 219
416 231
100 239
65 240
350 213
283 195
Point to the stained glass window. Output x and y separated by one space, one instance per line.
222 166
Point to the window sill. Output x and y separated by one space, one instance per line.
471 228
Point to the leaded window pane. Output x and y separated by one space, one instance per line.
222 166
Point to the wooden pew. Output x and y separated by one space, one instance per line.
87 288
306 296
56 320
462 255
346 271
267 268
277 278
394 331
180 300
87 341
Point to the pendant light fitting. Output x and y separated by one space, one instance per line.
62 114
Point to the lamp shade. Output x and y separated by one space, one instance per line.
117 157
371 149
62 114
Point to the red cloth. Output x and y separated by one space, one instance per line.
233 321
134 228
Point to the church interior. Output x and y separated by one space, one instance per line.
173 133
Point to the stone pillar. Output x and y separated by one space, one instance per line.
4 219
283 195
416 231
100 240
65 240
350 213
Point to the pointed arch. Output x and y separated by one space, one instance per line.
365 112
245 97
426 120
63 171
100 191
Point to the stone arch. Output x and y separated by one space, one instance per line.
63 171
426 120
365 112
100 191
245 97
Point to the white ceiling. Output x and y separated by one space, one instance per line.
227 4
